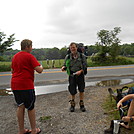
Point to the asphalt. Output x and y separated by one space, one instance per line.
65 81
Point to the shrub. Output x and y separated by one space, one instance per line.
123 61
1 58
4 68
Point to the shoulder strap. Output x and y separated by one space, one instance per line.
68 56
81 57
83 64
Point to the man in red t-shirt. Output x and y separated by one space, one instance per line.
22 84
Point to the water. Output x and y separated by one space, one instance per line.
64 87
5 92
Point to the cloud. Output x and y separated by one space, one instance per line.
56 23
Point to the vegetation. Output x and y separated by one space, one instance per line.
108 45
45 118
5 44
5 66
107 51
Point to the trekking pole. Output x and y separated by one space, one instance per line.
115 110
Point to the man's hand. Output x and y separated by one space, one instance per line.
39 69
119 104
63 68
79 72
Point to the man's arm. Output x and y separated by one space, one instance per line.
63 68
39 69
11 70
127 97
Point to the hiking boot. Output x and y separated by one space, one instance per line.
72 108
82 107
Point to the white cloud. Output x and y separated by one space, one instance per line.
56 23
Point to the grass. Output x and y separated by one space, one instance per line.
110 108
130 58
45 118
5 66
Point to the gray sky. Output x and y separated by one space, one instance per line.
56 23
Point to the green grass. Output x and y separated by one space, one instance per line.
5 66
5 63
45 118
130 58
110 108
58 63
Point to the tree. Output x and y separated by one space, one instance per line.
63 52
52 53
5 44
108 43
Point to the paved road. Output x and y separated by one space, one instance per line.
94 73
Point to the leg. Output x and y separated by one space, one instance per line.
129 114
81 87
20 116
72 102
81 95
73 91
82 107
131 109
19 95
31 115
72 97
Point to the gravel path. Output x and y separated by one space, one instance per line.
60 121
55 107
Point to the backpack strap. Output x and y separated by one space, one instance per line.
68 64
83 64
68 57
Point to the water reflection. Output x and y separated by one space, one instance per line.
109 83
113 82
63 87
5 92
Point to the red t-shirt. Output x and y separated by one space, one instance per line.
23 65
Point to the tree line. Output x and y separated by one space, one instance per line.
108 44
56 53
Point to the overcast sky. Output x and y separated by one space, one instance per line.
56 23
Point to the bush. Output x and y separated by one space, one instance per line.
98 60
123 61
1 58
4 68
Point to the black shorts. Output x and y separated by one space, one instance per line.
25 97
75 81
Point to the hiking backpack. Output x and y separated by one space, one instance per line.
83 64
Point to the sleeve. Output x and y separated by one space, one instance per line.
65 60
34 62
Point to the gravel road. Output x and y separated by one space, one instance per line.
55 107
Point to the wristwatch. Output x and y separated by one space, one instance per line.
131 119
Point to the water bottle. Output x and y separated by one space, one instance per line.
75 73
116 127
